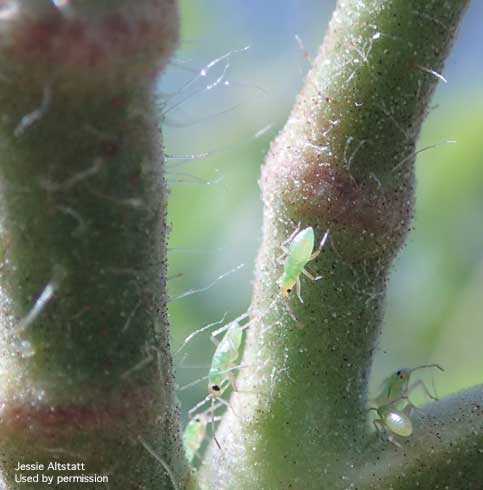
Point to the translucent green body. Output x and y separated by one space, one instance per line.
225 357
396 421
394 388
299 253
393 405
193 436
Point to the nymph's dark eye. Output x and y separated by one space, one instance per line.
215 388
289 290
399 373
197 420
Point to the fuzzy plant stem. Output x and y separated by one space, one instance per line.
444 452
86 374
345 163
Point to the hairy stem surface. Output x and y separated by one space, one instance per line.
86 369
344 163
445 449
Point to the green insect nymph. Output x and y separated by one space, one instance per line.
393 406
298 253
224 359
396 388
223 363
193 436
392 420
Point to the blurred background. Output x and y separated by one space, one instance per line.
224 97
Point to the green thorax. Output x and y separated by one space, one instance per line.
393 388
226 355
299 252
193 437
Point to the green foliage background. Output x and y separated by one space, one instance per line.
434 306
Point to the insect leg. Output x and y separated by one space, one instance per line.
232 381
409 408
198 405
297 289
410 405
192 411
291 313
281 258
379 427
378 421
424 388
306 273
393 441
314 255
215 340
321 245
239 319
227 404
382 430
291 237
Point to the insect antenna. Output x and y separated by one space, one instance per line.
424 366
197 332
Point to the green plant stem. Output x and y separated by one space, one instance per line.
446 447
343 162
86 369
